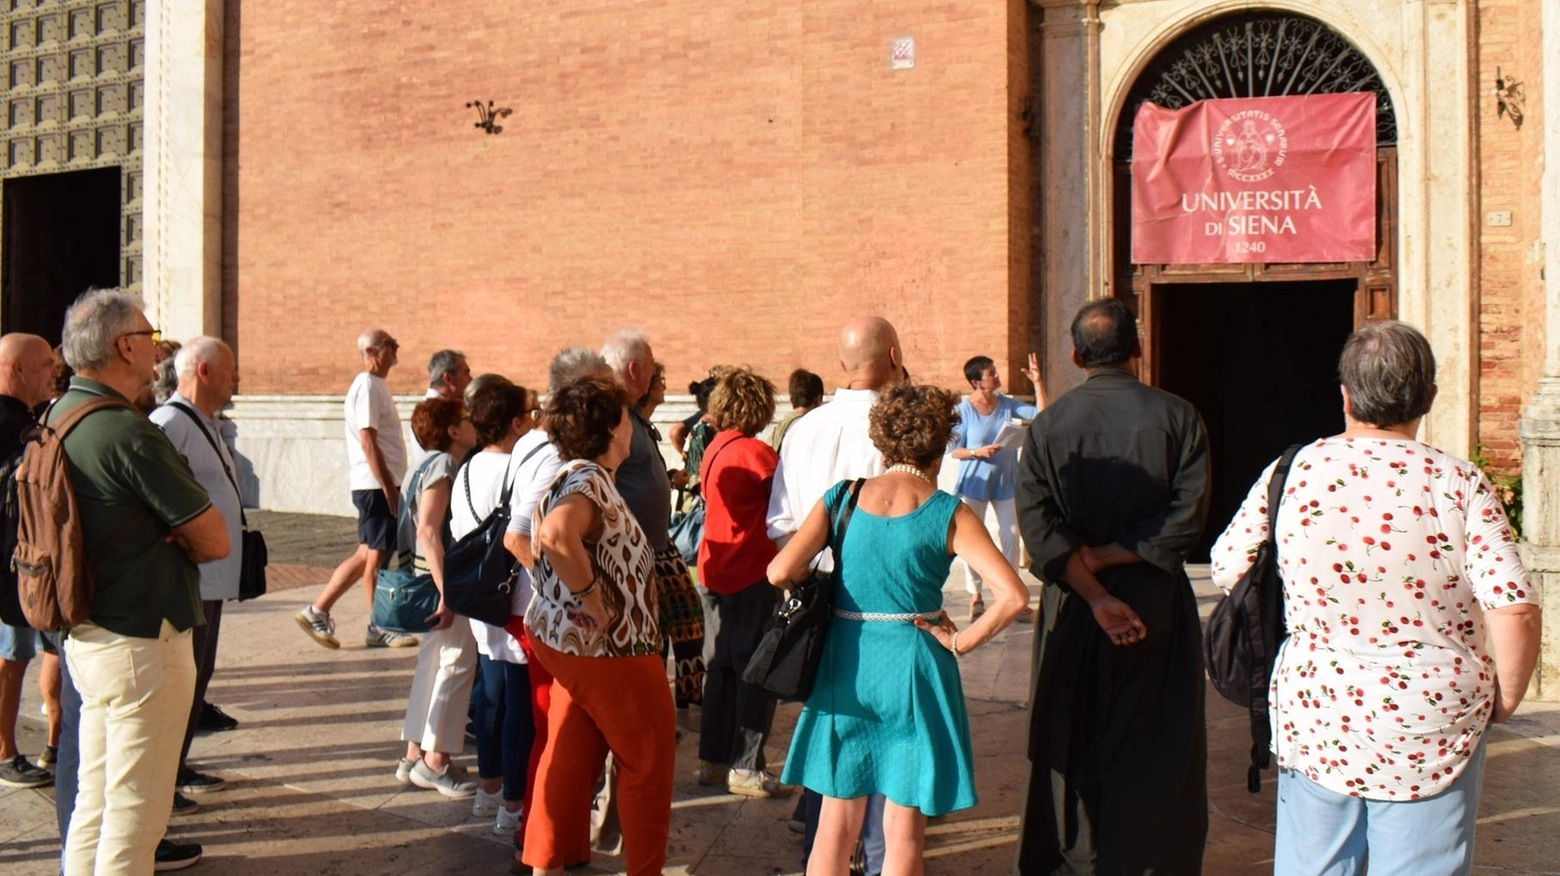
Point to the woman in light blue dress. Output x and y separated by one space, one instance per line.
987 470
886 714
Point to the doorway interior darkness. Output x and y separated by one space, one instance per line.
1260 362
61 237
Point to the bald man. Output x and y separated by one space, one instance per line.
825 447
26 382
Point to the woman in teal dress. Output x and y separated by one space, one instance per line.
886 714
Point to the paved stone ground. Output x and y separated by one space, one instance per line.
311 791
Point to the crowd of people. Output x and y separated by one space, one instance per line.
1412 625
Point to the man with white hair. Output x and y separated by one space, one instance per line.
208 377
148 523
376 454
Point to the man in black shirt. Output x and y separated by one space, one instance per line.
1112 495
26 377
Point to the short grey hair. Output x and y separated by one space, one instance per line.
370 339
623 347
167 381
1389 370
444 362
574 364
94 322
202 349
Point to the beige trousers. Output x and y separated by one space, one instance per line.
441 689
135 701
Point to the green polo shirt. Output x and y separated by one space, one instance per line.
132 487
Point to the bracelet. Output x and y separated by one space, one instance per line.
581 594
953 644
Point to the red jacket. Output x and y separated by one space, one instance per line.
734 478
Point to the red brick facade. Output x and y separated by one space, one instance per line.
1510 258
735 179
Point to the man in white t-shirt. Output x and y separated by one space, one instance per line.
376 455
827 446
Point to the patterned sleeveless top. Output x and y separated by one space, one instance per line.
625 574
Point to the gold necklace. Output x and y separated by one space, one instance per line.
910 470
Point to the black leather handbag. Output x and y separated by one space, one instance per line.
786 661
479 572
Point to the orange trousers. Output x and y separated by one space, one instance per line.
598 704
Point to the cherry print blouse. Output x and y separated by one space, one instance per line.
1390 552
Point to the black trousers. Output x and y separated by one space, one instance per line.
205 643
737 715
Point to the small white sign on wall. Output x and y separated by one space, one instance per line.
901 53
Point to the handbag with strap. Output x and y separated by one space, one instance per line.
687 530
1246 628
405 599
479 572
255 556
786 661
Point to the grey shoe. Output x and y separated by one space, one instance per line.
403 771
451 783
318 625
378 638
18 773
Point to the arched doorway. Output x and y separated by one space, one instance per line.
1254 346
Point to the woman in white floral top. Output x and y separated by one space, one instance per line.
593 625
1401 584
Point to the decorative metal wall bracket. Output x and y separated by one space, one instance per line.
488 116
1510 99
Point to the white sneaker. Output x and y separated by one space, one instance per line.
318 625
507 822
486 804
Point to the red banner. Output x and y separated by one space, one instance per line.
1267 179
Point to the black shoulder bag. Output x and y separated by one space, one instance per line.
251 576
786 661
479 572
1246 628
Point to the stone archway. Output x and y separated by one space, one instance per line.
1201 321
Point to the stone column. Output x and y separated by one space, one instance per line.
1540 427
1071 169
183 166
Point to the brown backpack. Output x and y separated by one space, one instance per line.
53 575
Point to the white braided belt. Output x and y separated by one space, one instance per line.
930 617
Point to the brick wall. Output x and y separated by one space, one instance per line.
737 179
1510 286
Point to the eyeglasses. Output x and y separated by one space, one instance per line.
154 334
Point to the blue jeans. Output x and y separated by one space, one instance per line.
1325 833
69 752
505 728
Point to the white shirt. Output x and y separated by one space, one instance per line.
369 405
821 449
218 578
486 475
535 466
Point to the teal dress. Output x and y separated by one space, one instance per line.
886 714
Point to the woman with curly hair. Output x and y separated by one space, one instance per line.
886 714
593 624
739 471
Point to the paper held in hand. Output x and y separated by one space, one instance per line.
1012 435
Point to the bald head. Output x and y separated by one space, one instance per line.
870 354
26 368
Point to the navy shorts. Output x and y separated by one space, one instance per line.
376 525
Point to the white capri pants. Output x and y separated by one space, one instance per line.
1004 533
441 689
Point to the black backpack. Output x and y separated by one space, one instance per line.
1246 628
